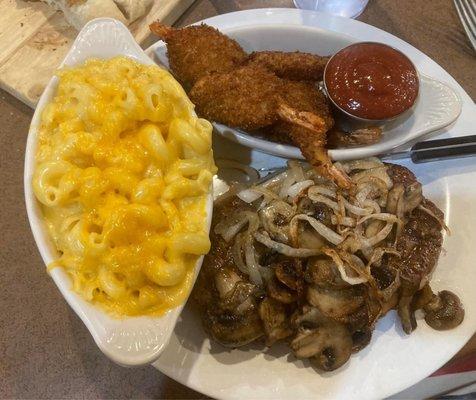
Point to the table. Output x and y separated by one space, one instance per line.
45 350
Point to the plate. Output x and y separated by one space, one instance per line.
437 106
393 361
128 341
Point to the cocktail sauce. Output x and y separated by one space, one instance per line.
371 81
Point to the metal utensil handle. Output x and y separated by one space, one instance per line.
440 149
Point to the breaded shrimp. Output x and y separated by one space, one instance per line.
252 97
246 98
296 66
195 51
308 132
303 96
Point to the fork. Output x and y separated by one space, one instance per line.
467 14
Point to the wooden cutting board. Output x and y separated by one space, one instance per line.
34 39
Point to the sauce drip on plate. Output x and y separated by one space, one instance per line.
372 81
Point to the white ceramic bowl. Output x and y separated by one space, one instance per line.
128 341
437 106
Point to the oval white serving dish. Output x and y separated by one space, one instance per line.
130 341
437 106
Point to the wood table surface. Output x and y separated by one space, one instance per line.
45 350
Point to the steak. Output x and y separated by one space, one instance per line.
419 245
420 241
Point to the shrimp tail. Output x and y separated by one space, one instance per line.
309 132
162 31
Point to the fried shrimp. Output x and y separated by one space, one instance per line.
246 98
308 127
304 96
268 90
296 66
252 97
309 132
195 51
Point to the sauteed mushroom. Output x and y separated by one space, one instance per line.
334 303
234 321
233 330
289 272
444 311
361 338
280 292
275 218
405 311
275 320
322 271
327 343
307 260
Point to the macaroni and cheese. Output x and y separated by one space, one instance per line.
124 169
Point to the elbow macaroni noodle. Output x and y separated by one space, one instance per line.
124 168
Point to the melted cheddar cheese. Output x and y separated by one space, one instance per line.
124 168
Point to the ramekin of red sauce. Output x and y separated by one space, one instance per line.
371 81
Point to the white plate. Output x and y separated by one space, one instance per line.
392 361
437 105
128 341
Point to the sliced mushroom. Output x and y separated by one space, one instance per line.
234 320
275 218
328 345
319 211
308 317
376 307
444 311
389 304
289 272
422 297
280 292
235 294
304 236
387 280
359 319
335 303
388 283
322 271
311 317
275 320
232 330
225 281
241 299
360 339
